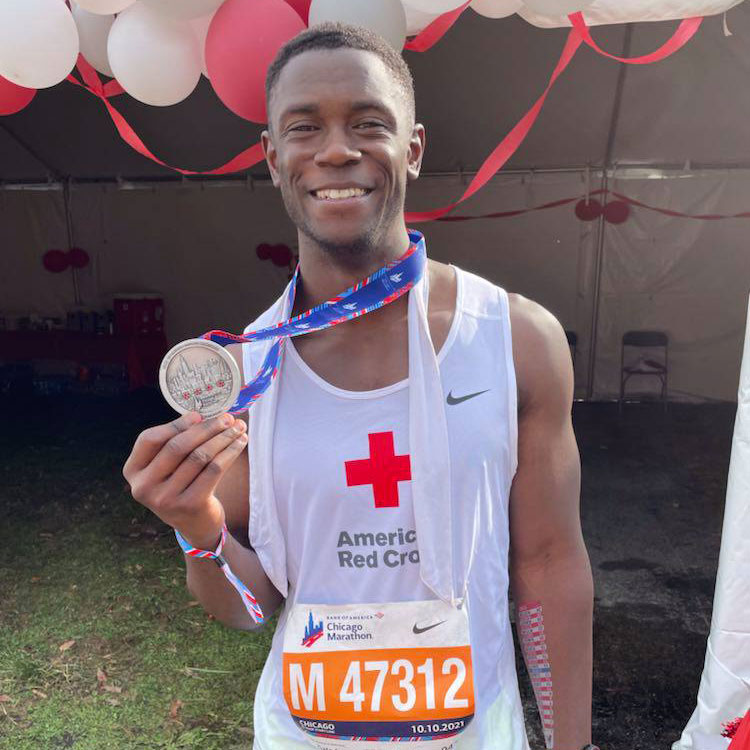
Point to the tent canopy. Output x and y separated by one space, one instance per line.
471 89
193 243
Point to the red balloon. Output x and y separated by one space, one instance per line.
13 98
588 211
78 258
263 251
281 255
302 7
616 212
242 41
55 261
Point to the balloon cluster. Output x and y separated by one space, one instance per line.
615 212
157 49
57 261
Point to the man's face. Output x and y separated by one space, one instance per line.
341 146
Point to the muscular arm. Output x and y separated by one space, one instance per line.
550 571
205 581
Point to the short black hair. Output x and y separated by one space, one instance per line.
332 36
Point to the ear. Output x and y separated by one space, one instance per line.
271 156
416 151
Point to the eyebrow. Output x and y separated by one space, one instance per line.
357 106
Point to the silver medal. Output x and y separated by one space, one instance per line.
199 375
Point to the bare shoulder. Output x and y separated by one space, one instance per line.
442 305
442 284
544 371
233 491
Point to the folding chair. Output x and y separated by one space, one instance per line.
643 366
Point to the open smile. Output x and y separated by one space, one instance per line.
337 195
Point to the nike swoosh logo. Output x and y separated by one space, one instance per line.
453 400
417 630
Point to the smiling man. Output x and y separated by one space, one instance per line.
408 467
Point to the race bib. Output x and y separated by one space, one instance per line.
362 674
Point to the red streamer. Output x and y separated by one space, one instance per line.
509 145
92 83
680 214
422 42
685 31
435 31
426 39
600 191
518 211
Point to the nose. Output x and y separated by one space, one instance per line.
337 150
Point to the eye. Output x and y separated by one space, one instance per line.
370 124
303 128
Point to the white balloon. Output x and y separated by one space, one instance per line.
38 42
385 17
416 20
93 30
184 9
556 7
434 6
105 7
496 8
155 58
200 27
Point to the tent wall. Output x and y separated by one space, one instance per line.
195 244
32 222
687 277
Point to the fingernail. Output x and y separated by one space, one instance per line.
227 421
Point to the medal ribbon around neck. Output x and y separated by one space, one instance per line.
380 288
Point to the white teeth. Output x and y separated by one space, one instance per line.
340 194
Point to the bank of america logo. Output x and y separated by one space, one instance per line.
313 631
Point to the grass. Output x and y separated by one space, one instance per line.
83 567
140 645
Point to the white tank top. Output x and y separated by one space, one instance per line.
340 473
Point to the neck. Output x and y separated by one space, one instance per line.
324 274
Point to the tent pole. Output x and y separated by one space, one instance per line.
231 179
613 123
69 226
661 170
597 290
25 146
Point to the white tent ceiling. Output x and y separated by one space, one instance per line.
686 277
471 89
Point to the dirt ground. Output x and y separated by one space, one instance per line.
652 508
652 504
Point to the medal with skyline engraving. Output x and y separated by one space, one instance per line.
199 375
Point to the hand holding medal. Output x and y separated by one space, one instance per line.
174 469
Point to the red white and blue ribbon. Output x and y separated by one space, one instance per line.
250 602
382 287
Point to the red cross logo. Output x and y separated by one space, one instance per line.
383 470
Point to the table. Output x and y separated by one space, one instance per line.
139 355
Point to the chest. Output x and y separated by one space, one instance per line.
342 476
346 454
370 353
